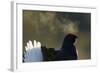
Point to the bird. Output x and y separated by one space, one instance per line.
35 52
68 50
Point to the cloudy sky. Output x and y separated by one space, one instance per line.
50 28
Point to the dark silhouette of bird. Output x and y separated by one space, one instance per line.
42 53
68 50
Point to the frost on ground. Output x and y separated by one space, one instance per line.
33 52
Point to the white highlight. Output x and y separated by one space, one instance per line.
33 52
35 44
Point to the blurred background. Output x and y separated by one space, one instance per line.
50 28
